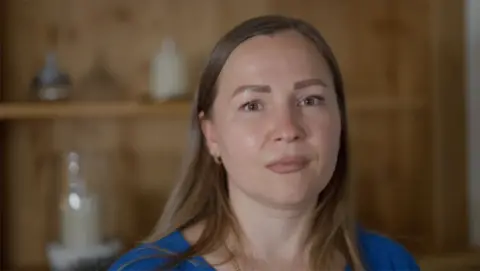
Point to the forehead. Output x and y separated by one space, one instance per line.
279 58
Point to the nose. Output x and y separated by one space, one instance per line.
288 127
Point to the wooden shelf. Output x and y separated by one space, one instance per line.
56 110
175 108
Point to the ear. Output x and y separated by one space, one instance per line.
210 133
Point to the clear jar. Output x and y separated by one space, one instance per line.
80 208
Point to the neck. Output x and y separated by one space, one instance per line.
270 233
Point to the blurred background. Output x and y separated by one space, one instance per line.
100 91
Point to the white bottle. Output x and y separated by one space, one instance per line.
80 210
168 78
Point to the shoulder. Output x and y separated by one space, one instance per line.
382 253
152 256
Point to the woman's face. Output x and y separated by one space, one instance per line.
276 121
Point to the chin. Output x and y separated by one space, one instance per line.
288 197
287 191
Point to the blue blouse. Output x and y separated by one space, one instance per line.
380 254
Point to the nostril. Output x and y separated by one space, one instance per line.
288 137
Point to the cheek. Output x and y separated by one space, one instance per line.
242 138
325 131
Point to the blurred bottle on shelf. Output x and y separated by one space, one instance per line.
82 244
79 208
51 84
168 76
99 83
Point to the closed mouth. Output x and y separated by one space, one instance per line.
287 165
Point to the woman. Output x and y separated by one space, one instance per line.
266 185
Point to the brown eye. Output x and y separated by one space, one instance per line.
251 106
312 101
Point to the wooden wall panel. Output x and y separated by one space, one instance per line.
397 96
392 173
2 141
449 120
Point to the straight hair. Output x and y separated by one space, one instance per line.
201 195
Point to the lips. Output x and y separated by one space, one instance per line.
288 164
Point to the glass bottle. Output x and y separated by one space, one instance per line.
79 208
51 84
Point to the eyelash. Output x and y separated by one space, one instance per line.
317 101
245 106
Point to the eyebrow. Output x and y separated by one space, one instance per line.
266 89
255 88
309 82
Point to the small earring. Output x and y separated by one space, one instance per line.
217 159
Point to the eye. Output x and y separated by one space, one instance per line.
251 106
312 100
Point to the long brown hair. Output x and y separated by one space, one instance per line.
202 195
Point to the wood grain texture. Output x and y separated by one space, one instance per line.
3 210
460 261
451 219
400 59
